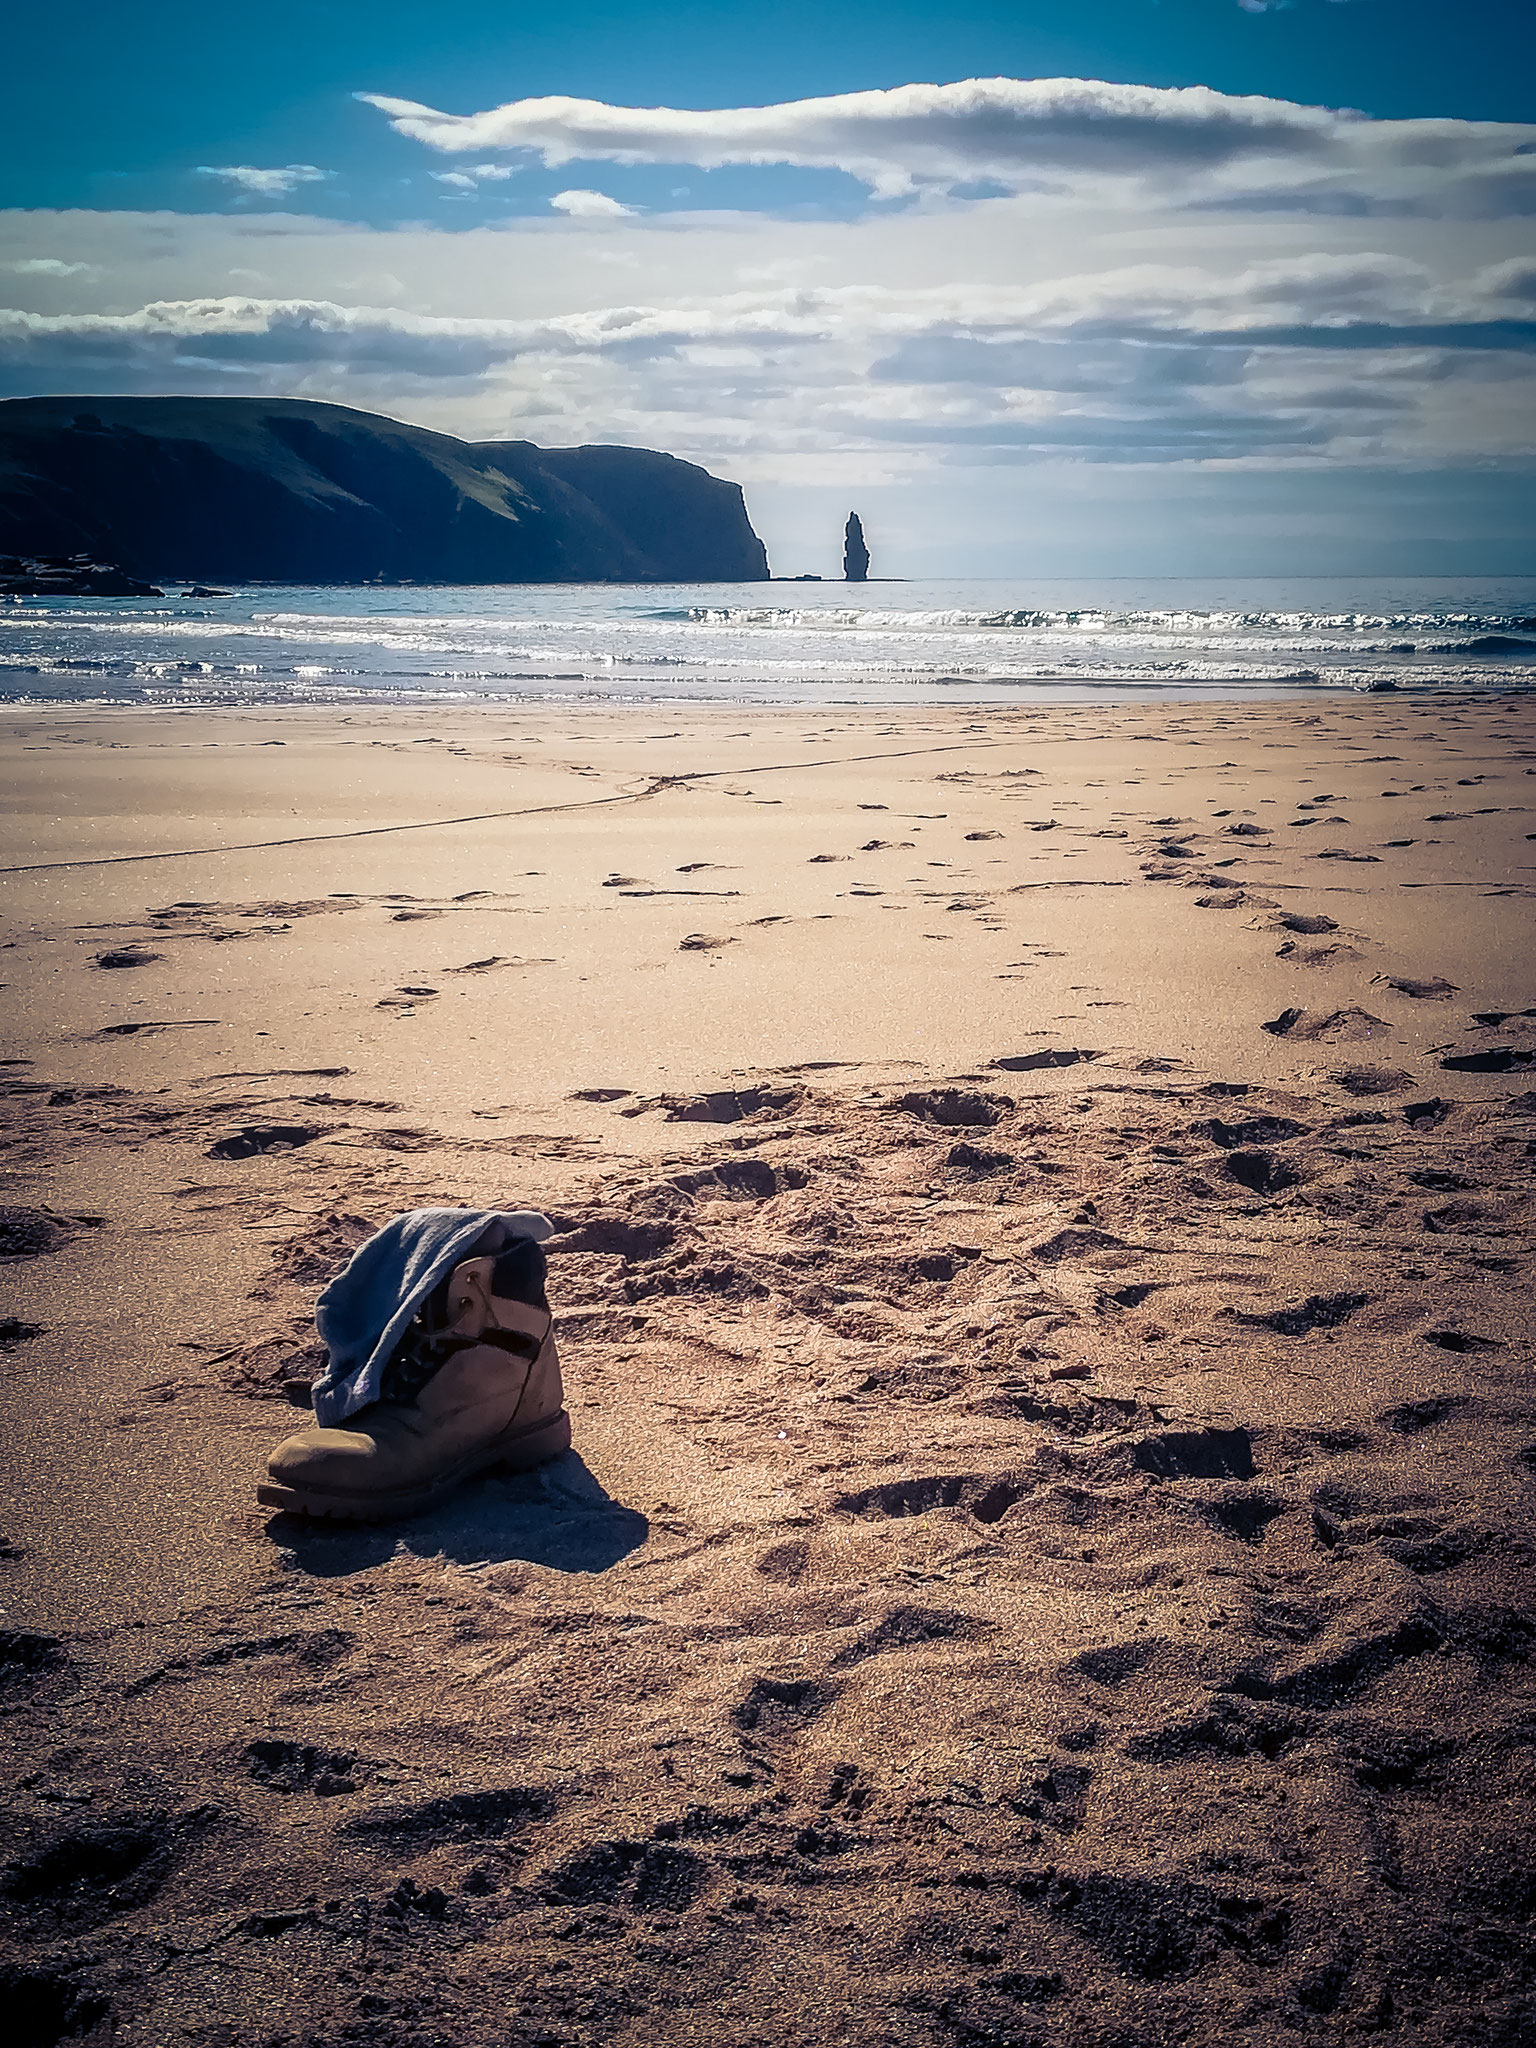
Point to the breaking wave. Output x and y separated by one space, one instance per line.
910 642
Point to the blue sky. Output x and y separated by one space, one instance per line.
121 104
1087 327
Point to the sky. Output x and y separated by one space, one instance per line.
1098 287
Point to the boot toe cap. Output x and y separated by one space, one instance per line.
322 1457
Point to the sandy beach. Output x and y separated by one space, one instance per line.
1043 1260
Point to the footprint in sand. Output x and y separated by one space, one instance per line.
1314 956
127 956
1371 1080
1436 989
1350 1024
1035 1062
255 1140
1294 921
30 1233
158 1024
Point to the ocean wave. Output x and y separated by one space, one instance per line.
1487 643
851 618
829 644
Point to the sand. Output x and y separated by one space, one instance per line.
1043 1273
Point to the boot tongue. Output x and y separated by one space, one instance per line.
423 1348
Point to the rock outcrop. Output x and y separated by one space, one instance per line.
67 576
855 553
288 490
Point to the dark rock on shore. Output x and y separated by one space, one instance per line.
215 490
855 553
67 576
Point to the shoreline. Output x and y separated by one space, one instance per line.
1229 690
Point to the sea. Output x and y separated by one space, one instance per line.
1007 641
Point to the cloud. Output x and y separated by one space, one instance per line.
258 183
1514 281
1315 302
589 206
477 175
254 334
1123 143
1321 358
50 266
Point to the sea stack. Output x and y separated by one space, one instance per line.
855 554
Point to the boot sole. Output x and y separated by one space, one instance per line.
516 1451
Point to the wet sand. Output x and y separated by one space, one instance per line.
1043 1272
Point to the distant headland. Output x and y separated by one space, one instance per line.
289 490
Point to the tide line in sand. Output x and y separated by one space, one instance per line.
661 783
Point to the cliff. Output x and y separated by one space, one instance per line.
287 490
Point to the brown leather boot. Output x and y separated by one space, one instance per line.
497 1401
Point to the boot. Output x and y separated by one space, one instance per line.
496 1401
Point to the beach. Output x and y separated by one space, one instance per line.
1043 1210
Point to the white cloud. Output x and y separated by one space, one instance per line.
474 177
50 266
590 206
1315 302
1328 358
1319 298
1148 143
272 183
